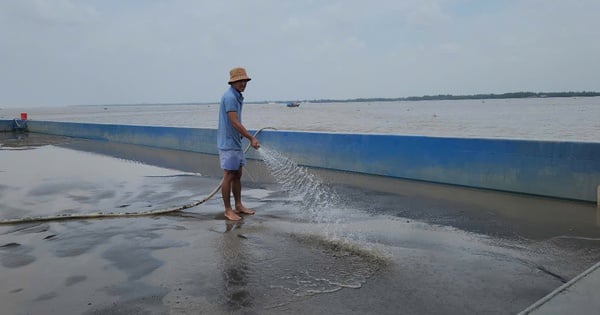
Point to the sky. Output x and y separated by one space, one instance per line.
78 52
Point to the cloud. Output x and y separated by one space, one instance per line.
94 52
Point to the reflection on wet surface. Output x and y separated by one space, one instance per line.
383 245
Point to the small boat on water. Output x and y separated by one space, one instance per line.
292 104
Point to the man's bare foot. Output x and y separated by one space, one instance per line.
231 215
244 210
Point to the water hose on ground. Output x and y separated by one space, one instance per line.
99 215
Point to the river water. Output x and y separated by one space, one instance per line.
572 119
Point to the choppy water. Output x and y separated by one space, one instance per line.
574 119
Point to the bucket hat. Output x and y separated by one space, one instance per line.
238 74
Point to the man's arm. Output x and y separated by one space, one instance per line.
235 122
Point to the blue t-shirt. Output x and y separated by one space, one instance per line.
227 137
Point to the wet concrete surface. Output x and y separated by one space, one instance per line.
382 246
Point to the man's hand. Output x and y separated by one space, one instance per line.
254 143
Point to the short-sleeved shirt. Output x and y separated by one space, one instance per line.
227 137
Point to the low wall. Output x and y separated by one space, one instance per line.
12 125
568 170
185 139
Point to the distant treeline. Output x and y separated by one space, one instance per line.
410 98
464 97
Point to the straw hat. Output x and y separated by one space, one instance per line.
238 74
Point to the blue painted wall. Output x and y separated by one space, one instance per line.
549 168
12 124
558 169
6 125
185 139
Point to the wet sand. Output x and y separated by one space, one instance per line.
389 246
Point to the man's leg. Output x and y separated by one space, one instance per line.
236 187
226 187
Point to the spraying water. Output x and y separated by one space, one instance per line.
354 258
319 202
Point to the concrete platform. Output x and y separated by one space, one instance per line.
366 245
579 296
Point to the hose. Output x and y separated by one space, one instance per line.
99 215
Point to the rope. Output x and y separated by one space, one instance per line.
98 215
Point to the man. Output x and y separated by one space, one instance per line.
229 143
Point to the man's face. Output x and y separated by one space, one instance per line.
240 86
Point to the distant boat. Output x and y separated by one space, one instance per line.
292 104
